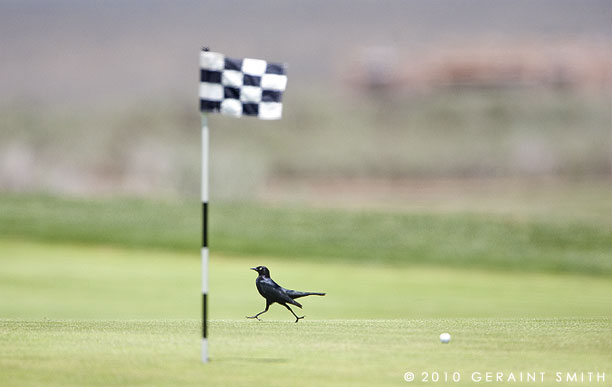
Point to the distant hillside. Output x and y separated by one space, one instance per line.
101 97
71 50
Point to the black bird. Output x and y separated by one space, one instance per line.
273 292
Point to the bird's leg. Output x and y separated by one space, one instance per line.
264 311
296 317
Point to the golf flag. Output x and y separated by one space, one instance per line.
237 87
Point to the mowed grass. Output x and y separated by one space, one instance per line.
55 281
311 353
106 292
74 315
570 243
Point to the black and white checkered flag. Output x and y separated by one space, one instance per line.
237 87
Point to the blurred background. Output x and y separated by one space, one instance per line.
393 101
462 143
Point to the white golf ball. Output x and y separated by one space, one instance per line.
445 338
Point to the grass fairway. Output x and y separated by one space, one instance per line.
558 239
73 315
54 281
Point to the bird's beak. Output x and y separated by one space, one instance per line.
254 268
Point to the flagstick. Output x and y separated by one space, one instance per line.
205 149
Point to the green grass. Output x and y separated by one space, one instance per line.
571 244
311 353
75 315
74 281
106 292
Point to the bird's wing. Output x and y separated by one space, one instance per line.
274 292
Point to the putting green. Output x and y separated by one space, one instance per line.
311 353
75 315
54 281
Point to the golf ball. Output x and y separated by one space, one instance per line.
445 338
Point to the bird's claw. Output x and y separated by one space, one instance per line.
298 318
258 319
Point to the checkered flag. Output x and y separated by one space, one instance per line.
237 87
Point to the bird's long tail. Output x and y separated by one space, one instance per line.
295 294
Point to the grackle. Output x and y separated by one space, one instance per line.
273 292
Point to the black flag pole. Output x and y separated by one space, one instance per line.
204 252
235 87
